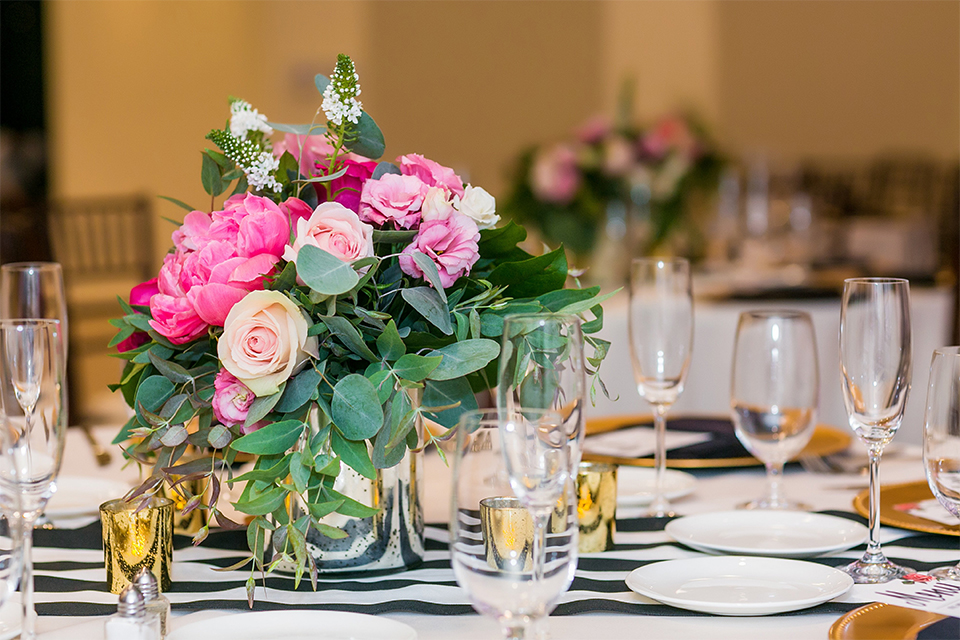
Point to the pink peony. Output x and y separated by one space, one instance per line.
554 176
140 295
392 198
335 229
450 240
347 188
260 226
194 231
175 319
315 149
231 400
431 173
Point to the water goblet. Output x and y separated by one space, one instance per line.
775 385
501 583
875 348
661 338
542 367
32 402
941 438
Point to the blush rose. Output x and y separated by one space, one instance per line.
335 229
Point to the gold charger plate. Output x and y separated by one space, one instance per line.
826 440
900 494
880 621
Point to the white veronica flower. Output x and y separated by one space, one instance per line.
244 118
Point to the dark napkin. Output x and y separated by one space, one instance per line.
722 444
948 629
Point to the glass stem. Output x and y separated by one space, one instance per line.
28 629
774 476
541 518
660 507
873 554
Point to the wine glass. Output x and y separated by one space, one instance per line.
941 438
774 389
875 346
491 533
541 367
32 403
661 338
34 290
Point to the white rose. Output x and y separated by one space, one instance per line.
478 205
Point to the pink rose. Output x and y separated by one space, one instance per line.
347 188
431 173
335 229
265 341
554 176
140 295
295 209
450 241
314 149
231 399
392 198
175 319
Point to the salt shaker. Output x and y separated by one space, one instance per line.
156 603
131 621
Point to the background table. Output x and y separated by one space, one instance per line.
716 490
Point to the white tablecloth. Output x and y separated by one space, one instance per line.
715 491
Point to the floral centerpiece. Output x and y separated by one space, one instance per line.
564 189
314 316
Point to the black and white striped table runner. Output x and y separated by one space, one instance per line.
70 576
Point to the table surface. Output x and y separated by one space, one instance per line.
715 491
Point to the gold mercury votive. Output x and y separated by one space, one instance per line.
507 529
596 506
134 539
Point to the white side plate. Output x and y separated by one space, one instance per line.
739 585
83 495
10 618
782 534
296 625
635 485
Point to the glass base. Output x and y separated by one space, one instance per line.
660 508
775 505
874 572
947 573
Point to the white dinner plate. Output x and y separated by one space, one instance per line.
83 495
10 618
783 534
296 625
739 585
635 485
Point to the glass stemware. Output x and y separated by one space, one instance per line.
941 438
32 404
492 544
775 386
542 367
661 339
875 352
34 290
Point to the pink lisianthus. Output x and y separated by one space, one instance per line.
175 319
431 173
315 149
140 295
392 198
347 188
554 176
335 229
450 240
231 401
669 134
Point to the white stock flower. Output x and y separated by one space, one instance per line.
479 205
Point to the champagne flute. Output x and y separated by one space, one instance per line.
491 534
542 367
775 386
661 338
875 348
32 402
941 438
34 290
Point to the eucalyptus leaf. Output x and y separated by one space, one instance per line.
274 438
298 391
430 273
461 358
356 408
210 176
325 273
368 139
219 437
415 368
262 406
265 503
445 393
170 370
393 237
532 277
151 394
354 454
321 81
349 336
299 129
383 169
179 203
428 303
390 344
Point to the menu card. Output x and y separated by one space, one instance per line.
929 509
920 591
636 442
